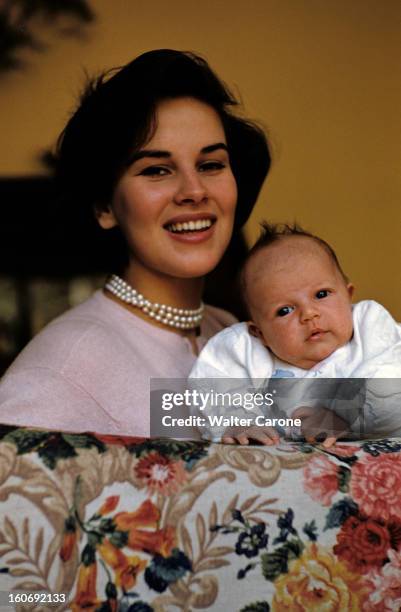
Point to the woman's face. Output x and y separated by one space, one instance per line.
175 204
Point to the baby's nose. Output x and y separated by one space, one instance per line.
309 311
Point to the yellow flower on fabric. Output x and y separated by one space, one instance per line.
318 582
68 545
159 542
147 515
126 568
86 598
126 574
109 505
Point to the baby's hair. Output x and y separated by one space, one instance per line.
274 232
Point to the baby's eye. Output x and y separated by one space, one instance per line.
155 171
322 294
285 310
211 166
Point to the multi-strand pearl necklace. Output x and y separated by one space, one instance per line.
180 318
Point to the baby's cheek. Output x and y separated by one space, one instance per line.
347 329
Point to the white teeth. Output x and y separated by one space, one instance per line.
190 226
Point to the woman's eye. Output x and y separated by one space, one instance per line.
285 310
211 166
322 294
154 171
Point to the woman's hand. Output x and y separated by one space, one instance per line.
320 421
264 435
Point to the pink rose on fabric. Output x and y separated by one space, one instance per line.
321 479
385 586
160 474
375 485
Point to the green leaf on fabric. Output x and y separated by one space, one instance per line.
274 564
344 475
26 440
50 445
88 555
94 538
188 451
294 549
237 516
140 606
163 571
84 441
310 529
54 449
256 606
339 512
5 430
241 574
111 591
119 539
70 524
306 448
107 525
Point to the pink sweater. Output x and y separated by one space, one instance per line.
89 369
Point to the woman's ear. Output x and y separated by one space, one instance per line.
105 217
255 331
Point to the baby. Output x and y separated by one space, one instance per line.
302 326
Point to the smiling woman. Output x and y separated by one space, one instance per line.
182 176
155 155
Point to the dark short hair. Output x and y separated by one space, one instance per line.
275 232
116 116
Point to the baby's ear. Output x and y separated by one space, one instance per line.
350 289
255 331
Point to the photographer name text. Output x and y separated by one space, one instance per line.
214 420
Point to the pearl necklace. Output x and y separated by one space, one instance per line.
180 318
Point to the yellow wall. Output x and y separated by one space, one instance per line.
322 75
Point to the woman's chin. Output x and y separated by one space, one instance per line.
194 269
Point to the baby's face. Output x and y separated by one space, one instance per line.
299 301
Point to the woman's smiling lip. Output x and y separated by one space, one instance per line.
188 228
187 217
193 237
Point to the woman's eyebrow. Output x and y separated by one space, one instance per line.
158 154
214 147
148 153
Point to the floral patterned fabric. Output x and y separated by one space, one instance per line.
139 525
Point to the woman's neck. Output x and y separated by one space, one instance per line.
163 289
176 292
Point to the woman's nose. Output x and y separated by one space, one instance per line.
190 189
